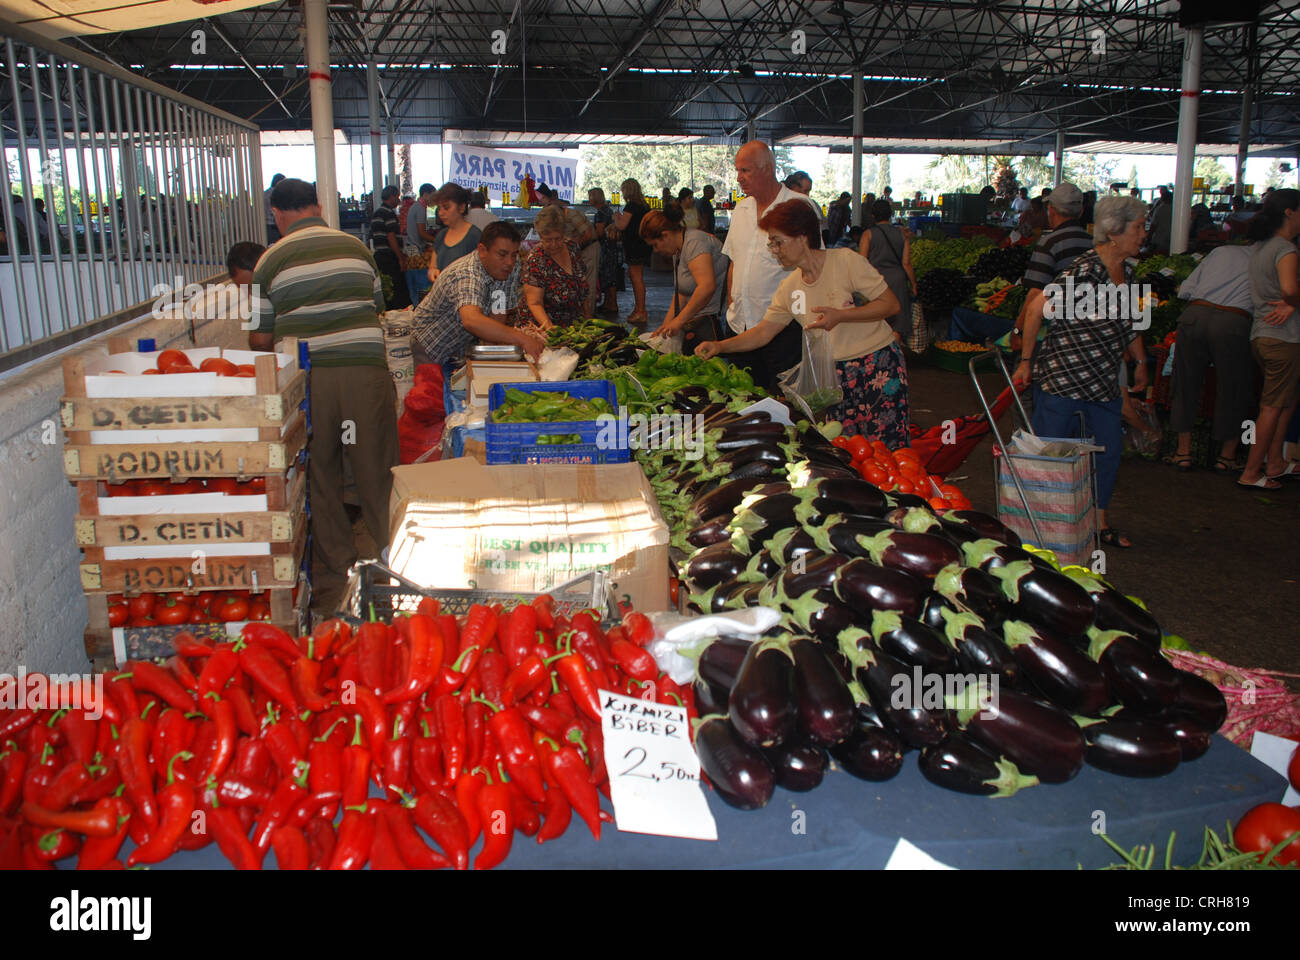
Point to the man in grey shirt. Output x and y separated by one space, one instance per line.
418 234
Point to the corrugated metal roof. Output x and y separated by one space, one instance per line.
916 145
1171 149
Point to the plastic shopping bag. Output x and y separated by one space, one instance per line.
814 380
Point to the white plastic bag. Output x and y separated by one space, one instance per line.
673 632
814 380
669 344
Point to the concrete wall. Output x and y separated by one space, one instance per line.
42 610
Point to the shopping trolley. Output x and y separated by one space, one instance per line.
1047 494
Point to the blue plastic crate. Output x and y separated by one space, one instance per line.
517 442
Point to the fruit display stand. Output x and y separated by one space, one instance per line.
203 429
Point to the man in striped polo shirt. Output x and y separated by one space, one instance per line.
322 286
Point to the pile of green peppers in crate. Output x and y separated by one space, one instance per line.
549 407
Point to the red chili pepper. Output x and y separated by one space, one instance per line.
97 851
441 820
291 849
633 661
374 640
99 821
449 680
476 717
567 770
230 834
356 770
234 792
575 676
399 658
524 811
355 839
638 628
518 634
549 721
289 758
286 796
13 722
226 734
544 605
450 631
410 845
348 677
496 814
469 785
374 719
176 801
426 764
245 716
320 841
217 672
480 630
65 785
79 732
122 694
267 672
396 763
105 779
133 762
325 775
557 813
173 734
271 637
253 761
492 670
187 646
529 674
384 854
451 734
596 754
511 732
154 679
306 680
429 606
53 845
425 661
184 675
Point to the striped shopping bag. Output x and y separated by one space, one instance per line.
1058 492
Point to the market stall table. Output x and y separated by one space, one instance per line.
975 327
850 823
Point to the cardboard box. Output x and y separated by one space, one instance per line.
481 374
459 524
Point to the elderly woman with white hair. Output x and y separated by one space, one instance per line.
1076 369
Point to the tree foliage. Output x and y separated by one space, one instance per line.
608 165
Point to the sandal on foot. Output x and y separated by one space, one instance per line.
1182 461
1263 483
1292 472
1225 464
1113 538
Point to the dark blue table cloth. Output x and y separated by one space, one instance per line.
849 823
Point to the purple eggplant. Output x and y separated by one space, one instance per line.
790 544
910 702
738 770
753 525
932 612
1193 741
710 566
982 524
864 585
1114 611
841 533
768 454
749 596
970 587
762 567
870 753
828 617
959 763
1040 739
722 501
1137 676
802 578
709 697
979 651
738 436
1045 598
708 534
718 598
989 554
846 496
920 554
1062 673
837 660
823 702
908 500
1132 748
719 661
1200 701
913 520
762 704
798 766
912 642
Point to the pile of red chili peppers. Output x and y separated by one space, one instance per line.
481 726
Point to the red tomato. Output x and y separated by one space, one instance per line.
197 615
255 485
142 622
209 600
939 504
172 612
905 486
142 606
169 358
259 610
153 488
128 488
247 370
950 490
912 470
907 453
181 368
872 472
220 366
232 608
187 486
118 614
858 446
1265 826
842 442
227 485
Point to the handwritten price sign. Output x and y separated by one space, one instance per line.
654 774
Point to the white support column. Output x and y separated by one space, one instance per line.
1187 114
1058 168
859 102
315 15
1243 140
392 180
376 141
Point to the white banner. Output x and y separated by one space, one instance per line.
501 170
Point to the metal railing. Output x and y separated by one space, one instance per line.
143 191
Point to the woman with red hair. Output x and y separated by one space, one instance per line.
840 292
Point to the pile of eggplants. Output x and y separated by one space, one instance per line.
905 630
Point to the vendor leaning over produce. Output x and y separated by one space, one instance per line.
1077 367
823 287
699 275
322 286
475 298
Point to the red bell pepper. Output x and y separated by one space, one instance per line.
496 814
441 820
176 801
99 850
291 849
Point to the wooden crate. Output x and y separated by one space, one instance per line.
273 411
107 647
